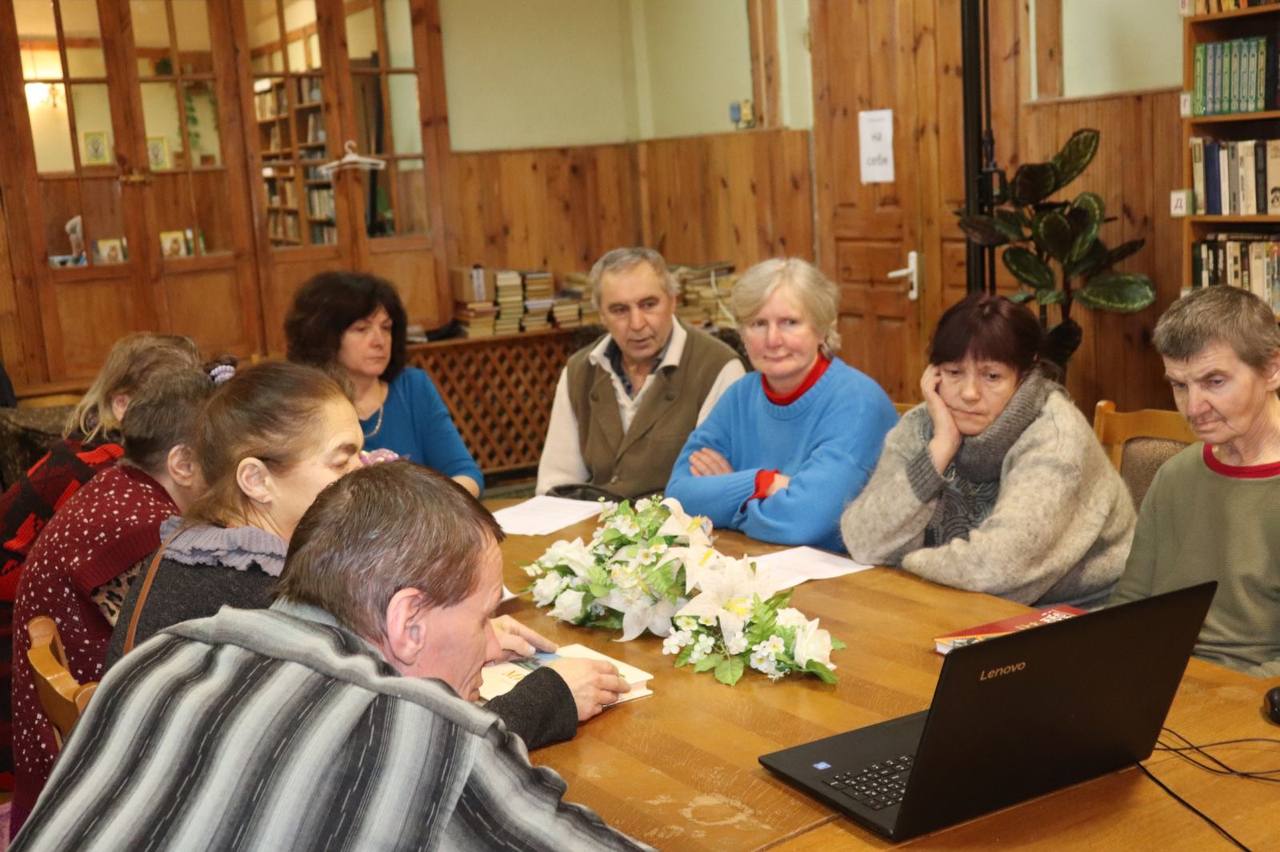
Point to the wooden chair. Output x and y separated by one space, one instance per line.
904 407
61 697
1138 442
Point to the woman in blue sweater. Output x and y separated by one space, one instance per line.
787 447
356 322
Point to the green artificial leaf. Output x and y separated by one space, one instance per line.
1052 233
1028 268
1124 250
710 661
1012 223
598 590
1075 156
1085 217
1033 182
837 645
1050 297
983 230
1119 292
1021 296
1093 260
682 658
823 673
729 670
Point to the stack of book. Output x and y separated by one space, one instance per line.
702 291
1249 261
476 318
1235 177
539 296
510 296
566 312
577 286
1235 76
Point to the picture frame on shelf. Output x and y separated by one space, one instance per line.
174 244
110 251
97 148
158 155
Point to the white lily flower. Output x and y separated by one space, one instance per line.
568 606
572 554
546 589
791 617
812 643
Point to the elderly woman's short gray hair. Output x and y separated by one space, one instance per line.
623 259
818 297
1219 314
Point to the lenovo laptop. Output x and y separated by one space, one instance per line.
1012 718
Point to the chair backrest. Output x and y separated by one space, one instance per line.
1138 442
904 407
62 698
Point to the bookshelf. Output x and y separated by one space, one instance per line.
293 142
1232 231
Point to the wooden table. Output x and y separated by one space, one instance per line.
678 770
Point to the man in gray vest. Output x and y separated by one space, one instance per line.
625 405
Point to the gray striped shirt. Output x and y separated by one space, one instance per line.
278 729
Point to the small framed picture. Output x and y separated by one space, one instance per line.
97 150
174 244
158 153
110 250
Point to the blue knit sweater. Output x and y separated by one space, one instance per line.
827 442
416 423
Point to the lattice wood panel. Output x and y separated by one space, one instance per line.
499 391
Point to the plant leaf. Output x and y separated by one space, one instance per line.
1052 233
682 658
1034 182
1075 156
1094 259
823 673
1050 297
1011 223
1086 217
1021 296
1028 268
983 230
710 661
1124 250
729 670
1120 292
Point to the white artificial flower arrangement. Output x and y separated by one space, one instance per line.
651 565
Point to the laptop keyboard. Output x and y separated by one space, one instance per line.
877 786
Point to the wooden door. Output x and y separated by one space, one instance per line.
325 77
130 193
905 56
863 59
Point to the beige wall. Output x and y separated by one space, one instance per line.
1112 46
795 65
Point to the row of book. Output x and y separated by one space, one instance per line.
1235 177
508 301
1235 76
704 291
320 203
1209 7
1245 260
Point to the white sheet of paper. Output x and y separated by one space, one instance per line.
501 678
875 145
797 565
544 515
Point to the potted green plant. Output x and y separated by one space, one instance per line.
1053 247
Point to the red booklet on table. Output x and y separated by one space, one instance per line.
1004 626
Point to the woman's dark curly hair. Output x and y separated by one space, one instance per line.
328 304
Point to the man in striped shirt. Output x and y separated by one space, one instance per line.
341 718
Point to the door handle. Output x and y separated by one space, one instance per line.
912 273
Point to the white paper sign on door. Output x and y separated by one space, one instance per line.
875 145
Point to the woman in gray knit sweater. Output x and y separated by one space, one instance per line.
996 482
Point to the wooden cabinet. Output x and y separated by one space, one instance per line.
1231 125
164 172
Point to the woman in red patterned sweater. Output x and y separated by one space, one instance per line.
80 567
90 443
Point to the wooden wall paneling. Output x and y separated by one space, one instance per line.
433 112
766 83
287 275
207 305
1048 48
414 274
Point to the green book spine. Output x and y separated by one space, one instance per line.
1197 95
1211 79
1229 76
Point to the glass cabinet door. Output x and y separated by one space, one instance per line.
291 117
73 134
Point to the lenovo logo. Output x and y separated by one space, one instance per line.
992 674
